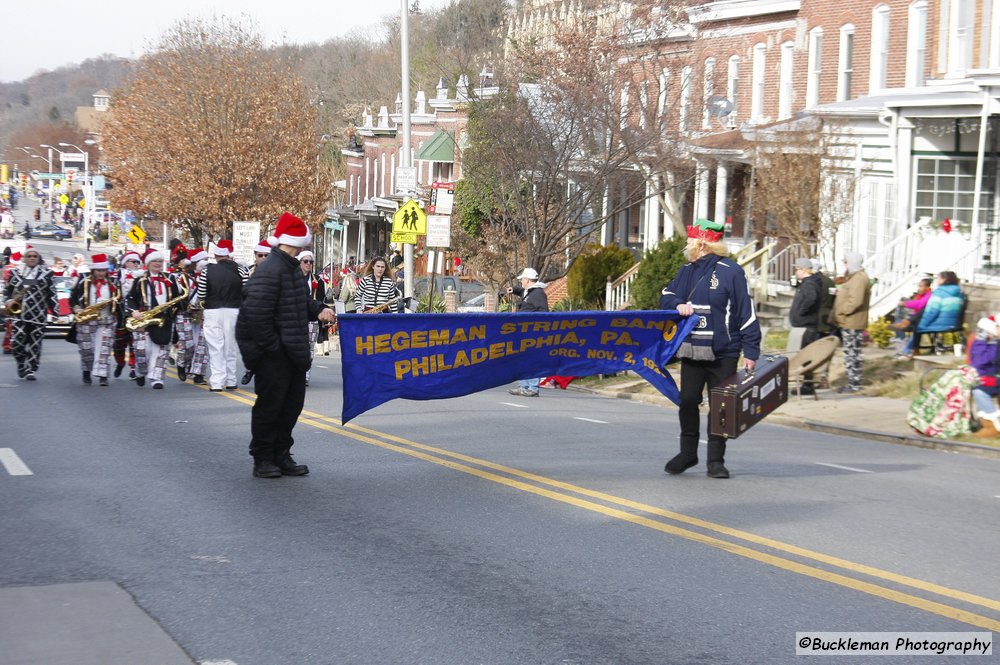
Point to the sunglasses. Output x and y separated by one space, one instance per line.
261 256
32 256
306 261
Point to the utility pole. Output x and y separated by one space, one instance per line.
407 152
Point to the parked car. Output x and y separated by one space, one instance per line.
60 320
49 230
466 288
477 304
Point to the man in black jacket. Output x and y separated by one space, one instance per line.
272 331
805 308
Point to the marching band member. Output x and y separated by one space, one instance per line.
376 288
31 289
196 312
220 290
186 314
130 269
152 289
8 325
77 268
95 337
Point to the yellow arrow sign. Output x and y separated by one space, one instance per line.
410 218
136 235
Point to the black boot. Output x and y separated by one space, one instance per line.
118 370
288 466
198 379
86 378
716 458
685 459
247 377
265 469
182 373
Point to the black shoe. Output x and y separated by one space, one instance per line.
717 470
216 390
807 390
265 469
86 378
182 374
679 464
157 385
247 377
290 468
131 374
29 376
103 381
231 387
198 379
118 370
140 381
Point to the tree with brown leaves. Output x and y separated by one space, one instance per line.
213 128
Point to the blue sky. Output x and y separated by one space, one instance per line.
127 27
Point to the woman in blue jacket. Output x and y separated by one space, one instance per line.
943 311
714 288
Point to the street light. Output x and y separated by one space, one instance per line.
88 186
51 187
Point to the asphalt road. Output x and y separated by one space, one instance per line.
485 529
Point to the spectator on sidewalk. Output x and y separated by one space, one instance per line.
823 326
984 356
943 311
910 310
850 314
804 312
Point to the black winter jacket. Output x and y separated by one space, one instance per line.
275 314
533 299
806 303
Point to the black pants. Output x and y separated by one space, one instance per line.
281 392
695 376
26 342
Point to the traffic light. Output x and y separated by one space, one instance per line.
69 178
24 181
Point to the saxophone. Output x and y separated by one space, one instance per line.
151 317
91 312
381 308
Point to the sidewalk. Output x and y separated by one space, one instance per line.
863 416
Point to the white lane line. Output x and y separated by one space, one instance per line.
845 468
520 406
591 420
13 463
216 662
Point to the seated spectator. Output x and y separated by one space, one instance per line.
984 356
908 312
942 312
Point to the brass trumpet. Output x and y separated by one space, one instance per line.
17 297
91 312
151 317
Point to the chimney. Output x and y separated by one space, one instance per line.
421 103
383 118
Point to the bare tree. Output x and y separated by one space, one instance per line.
213 128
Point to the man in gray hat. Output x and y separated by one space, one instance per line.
805 308
850 311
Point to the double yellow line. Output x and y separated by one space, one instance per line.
682 526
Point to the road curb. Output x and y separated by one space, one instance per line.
946 445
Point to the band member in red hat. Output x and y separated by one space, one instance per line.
129 270
153 289
273 334
31 292
94 337
713 288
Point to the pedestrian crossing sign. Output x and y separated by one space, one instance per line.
410 218
136 235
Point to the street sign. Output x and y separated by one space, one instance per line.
410 218
245 237
136 235
442 198
439 231
406 179
404 238
63 199
333 226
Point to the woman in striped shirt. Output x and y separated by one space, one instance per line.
376 287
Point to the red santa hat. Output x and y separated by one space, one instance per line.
178 252
223 248
290 231
198 254
99 262
131 256
262 248
155 255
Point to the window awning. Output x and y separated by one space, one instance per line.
440 148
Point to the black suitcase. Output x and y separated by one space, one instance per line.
743 400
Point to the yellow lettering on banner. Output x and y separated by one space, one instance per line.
382 343
669 330
418 339
623 338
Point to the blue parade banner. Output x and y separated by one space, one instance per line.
437 356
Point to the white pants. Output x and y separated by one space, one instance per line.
219 330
